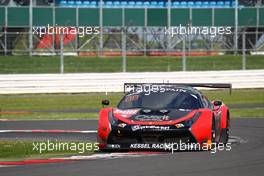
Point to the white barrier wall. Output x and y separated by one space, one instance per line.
113 82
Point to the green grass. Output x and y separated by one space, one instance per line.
20 150
50 64
93 101
255 112
55 101
243 96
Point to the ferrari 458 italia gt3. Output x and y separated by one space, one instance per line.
151 115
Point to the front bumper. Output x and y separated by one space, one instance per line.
138 137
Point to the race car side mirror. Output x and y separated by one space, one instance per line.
105 102
217 103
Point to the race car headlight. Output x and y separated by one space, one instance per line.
115 122
192 120
112 119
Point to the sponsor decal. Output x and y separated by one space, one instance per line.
164 110
179 125
151 117
146 110
122 125
143 127
125 113
150 146
140 146
131 98
113 146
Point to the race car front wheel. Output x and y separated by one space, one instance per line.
213 133
225 136
225 133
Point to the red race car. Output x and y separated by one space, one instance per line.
158 116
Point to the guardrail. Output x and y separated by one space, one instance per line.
113 82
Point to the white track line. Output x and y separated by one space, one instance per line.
108 156
7 166
4 120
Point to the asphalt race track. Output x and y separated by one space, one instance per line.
244 159
49 125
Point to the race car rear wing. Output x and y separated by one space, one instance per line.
205 85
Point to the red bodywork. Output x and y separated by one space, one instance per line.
201 129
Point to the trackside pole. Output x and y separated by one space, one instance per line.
124 50
30 27
169 26
183 55
236 27
101 40
124 29
244 59
61 55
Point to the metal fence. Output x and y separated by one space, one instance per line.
136 42
140 42
121 33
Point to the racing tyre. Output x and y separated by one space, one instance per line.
213 133
225 136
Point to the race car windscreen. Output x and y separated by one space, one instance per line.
164 100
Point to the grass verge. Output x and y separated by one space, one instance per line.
21 150
51 64
83 101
